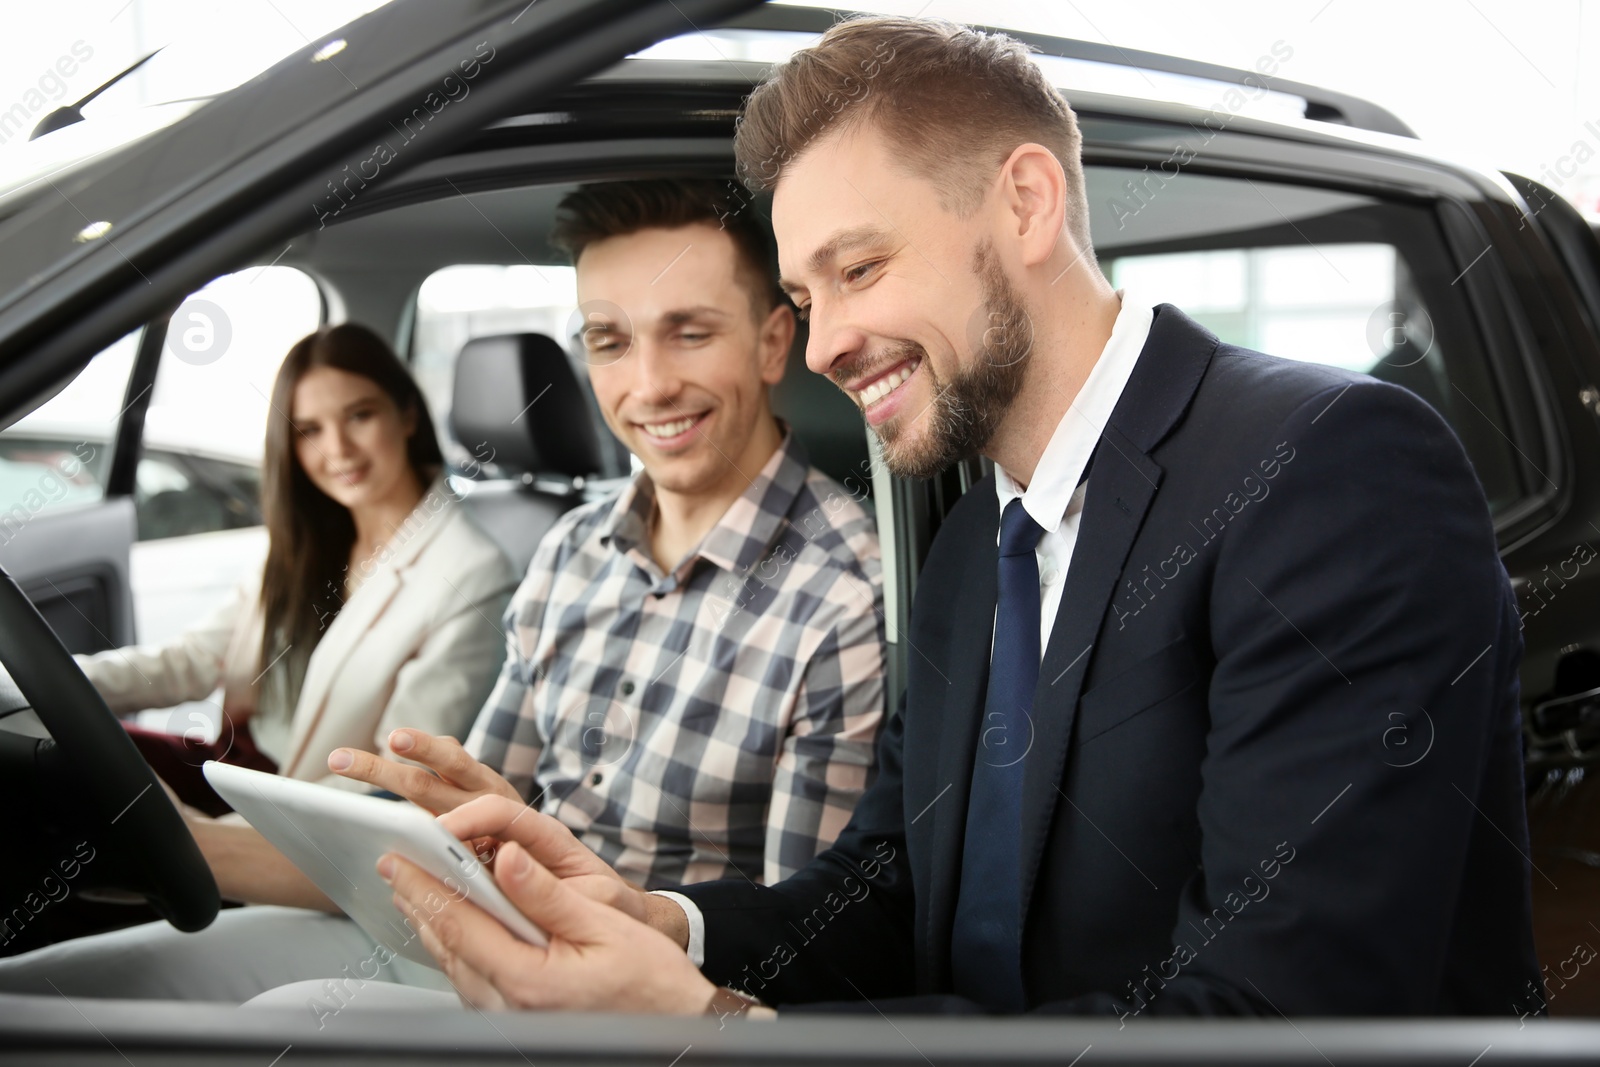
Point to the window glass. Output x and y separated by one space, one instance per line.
1281 300
223 349
1315 275
199 467
57 455
177 495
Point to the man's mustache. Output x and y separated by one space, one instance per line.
862 368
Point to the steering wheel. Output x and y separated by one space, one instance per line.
118 790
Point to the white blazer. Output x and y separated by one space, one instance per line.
418 644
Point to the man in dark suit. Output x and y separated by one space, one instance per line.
1212 704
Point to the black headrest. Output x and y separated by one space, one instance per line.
517 393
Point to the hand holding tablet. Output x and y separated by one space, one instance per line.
336 838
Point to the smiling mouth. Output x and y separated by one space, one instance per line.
885 384
667 430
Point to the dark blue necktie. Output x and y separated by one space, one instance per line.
986 944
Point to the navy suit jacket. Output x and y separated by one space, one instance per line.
1275 761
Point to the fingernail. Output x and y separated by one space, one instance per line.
514 861
340 759
402 741
386 867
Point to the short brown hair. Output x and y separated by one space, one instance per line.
953 102
613 209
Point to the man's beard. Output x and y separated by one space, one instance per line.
966 411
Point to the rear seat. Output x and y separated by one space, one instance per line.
517 395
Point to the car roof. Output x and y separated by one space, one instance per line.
1082 70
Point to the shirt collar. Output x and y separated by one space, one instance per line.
1055 479
741 537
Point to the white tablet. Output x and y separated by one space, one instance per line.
336 838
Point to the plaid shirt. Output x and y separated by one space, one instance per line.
711 722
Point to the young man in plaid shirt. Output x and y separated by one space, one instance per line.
694 678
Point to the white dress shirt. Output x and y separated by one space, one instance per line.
1053 499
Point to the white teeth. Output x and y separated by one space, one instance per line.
668 429
887 384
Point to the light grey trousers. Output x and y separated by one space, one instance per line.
245 953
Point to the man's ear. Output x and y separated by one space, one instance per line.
776 338
1033 194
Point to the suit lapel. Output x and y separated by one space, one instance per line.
344 634
1122 485
957 717
360 613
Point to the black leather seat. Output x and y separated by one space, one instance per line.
517 395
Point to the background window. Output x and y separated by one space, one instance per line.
57 455
1316 275
200 461
224 346
1302 303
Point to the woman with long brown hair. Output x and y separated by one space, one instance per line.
378 603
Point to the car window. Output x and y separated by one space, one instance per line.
1327 277
176 495
199 470
199 467
57 455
